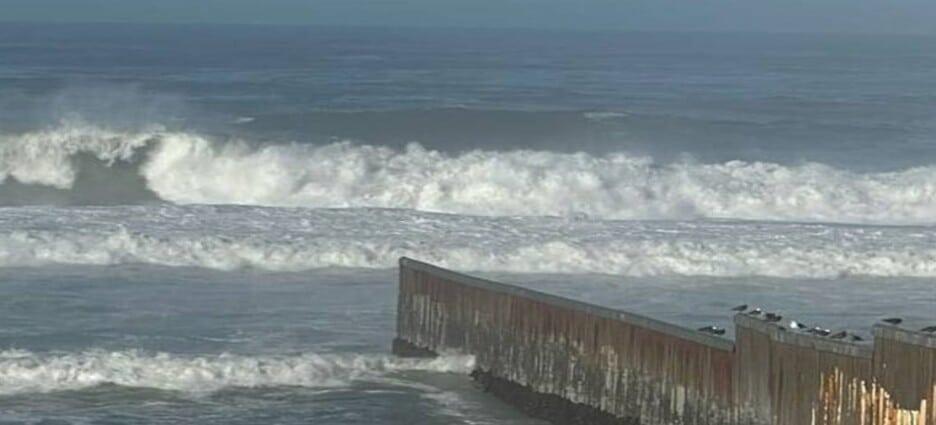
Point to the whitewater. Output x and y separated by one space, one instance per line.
27 372
189 168
292 239
203 224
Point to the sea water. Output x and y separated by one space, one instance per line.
201 224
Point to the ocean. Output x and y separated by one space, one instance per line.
200 224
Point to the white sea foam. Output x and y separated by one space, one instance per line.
187 168
604 115
281 239
46 157
28 372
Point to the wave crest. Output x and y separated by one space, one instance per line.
27 372
46 157
187 168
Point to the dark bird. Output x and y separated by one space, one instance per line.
755 312
893 320
771 317
740 309
856 338
839 335
929 329
714 330
819 331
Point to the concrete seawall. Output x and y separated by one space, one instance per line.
789 378
572 362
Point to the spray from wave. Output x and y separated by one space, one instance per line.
28 372
47 158
187 168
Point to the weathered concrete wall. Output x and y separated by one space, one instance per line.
642 371
789 378
635 368
904 391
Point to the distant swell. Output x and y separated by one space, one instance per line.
27 372
187 168
281 239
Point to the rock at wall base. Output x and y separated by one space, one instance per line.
404 348
548 407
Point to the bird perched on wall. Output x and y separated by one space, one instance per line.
893 320
929 329
714 330
819 331
797 326
774 318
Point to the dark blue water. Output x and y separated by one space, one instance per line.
854 101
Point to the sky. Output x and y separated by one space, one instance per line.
845 16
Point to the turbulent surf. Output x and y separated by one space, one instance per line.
26 372
295 239
202 223
188 168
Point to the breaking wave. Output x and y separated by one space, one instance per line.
28 372
283 239
187 168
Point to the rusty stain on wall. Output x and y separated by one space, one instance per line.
649 372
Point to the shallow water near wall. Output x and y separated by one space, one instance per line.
854 304
150 344
142 344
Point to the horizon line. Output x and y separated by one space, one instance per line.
461 28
